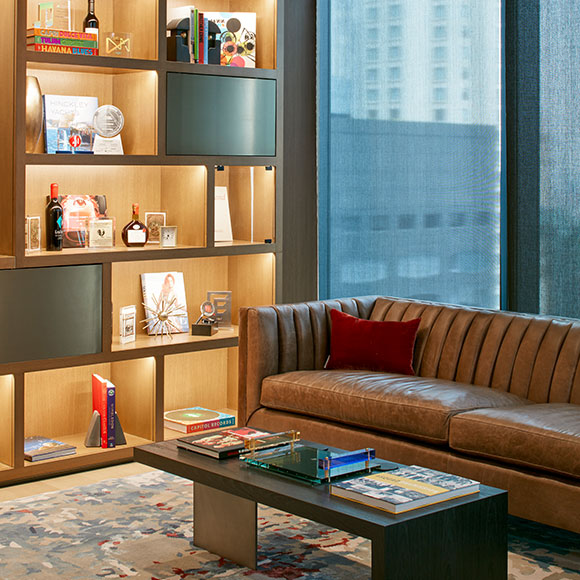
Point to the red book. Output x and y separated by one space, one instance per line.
201 37
100 404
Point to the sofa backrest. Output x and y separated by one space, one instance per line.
536 357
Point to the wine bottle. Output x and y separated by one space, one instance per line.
54 216
135 233
91 22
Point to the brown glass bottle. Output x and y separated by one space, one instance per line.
135 233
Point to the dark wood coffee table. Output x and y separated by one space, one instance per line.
460 539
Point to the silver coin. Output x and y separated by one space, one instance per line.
108 121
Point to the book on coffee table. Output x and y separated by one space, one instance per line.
405 488
194 419
229 443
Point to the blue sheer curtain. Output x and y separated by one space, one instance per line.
560 157
409 142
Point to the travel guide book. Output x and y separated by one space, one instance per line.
194 419
39 448
227 443
405 488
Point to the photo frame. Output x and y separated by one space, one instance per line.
101 232
154 220
168 236
32 232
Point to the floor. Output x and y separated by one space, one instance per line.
74 480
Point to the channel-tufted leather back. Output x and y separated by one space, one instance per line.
536 357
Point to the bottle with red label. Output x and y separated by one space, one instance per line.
54 219
135 233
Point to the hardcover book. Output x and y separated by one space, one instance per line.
166 288
99 388
405 488
193 419
55 33
66 116
78 50
39 448
228 443
77 210
232 35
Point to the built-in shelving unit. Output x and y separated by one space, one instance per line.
52 397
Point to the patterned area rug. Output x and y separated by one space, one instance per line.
141 527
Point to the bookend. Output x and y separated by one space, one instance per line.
93 438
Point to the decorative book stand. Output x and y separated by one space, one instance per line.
93 438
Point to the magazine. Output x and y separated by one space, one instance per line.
165 291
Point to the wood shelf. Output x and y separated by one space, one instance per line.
7 262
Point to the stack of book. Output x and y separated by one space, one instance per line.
62 41
39 448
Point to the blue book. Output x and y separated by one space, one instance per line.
111 394
205 39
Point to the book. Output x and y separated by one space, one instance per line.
111 394
56 41
79 50
229 443
77 210
39 448
65 116
54 33
194 419
236 34
99 388
169 288
405 488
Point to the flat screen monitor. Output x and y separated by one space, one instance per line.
219 115
50 312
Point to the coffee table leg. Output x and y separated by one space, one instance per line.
225 524
468 541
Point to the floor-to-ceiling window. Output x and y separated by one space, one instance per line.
409 142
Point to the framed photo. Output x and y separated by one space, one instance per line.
168 236
154 220
32 229
101 232
127 324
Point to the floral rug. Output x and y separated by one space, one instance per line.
141 527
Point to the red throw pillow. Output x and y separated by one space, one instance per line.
371 345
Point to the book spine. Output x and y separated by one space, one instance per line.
201 49
111 396
196 36
53 40
206 40
64 49
50 32
100 405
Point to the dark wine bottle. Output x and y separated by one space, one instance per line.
54 216
91 22
135 233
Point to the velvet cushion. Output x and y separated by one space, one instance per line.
358 344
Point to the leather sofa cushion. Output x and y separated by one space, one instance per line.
415 407
544 436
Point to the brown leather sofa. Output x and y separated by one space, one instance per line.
496 396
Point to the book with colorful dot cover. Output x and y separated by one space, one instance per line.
405 488
39 448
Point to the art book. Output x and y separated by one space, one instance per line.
193 419
404 489
232 36
165 291
76 211
228 443
66 117
39 448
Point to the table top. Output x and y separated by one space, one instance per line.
300 498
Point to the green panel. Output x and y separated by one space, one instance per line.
50 312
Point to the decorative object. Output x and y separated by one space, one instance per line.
222 302
118 44
54 15
222 220
232 38
93 437
177 48
34 113
154 220
101 232
206 324
127 324
168 236
164 303
78 211
135 233
108 122
33 232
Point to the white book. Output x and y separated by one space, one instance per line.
222 219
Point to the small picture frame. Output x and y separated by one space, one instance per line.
32 233
127 324
154 220
168 236
101 232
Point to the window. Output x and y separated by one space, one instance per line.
395 32
372 75
373 95
418 176
440 32
395 11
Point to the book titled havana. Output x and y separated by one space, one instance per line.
404 489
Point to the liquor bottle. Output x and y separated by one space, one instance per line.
135 233
54 233
91 22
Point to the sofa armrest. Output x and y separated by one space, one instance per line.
285 338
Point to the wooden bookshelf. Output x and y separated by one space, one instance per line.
52 397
